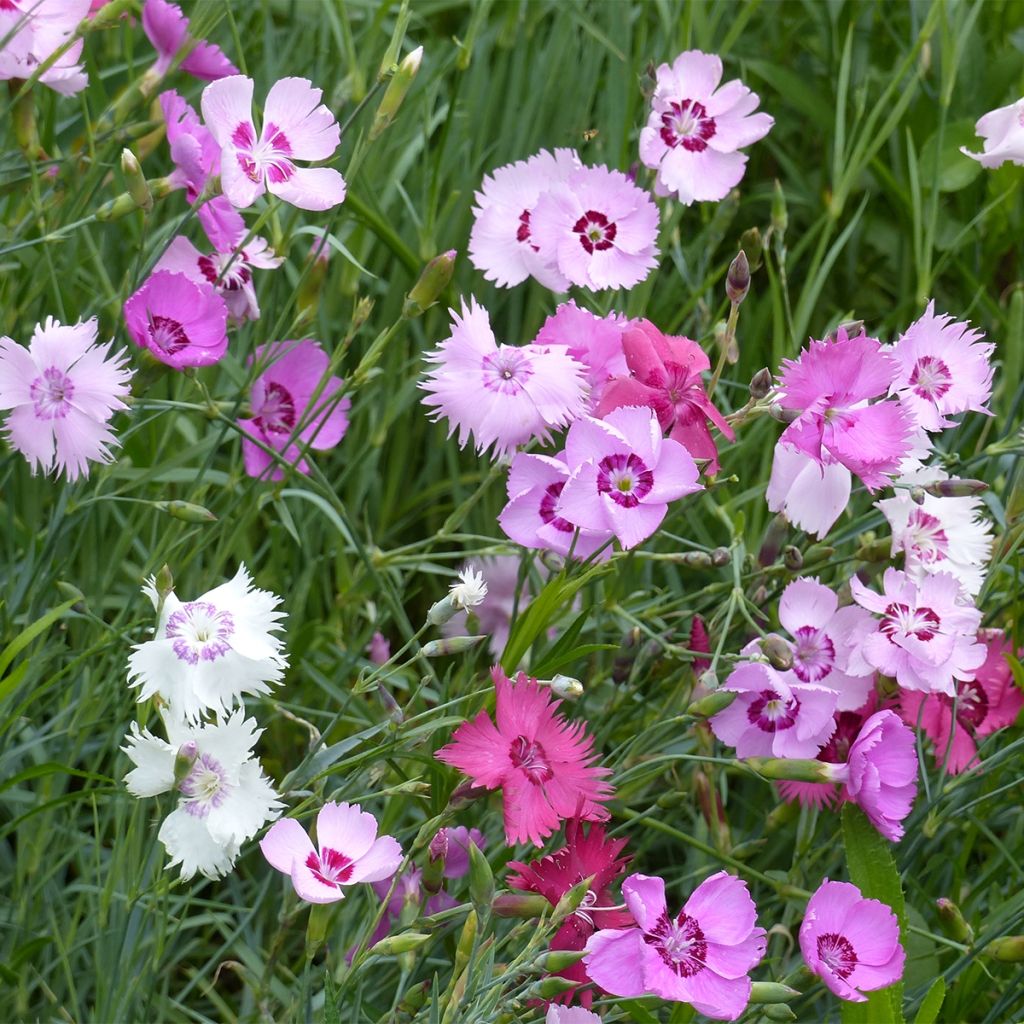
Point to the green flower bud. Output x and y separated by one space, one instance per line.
778 530
778 652
955 488
792 558
403 943
451 645
566 687
737 280
316 927
186 511
752 244
771 992
711 704
780 216
852 329
436 276
917 495
558 960
779 1012
481 881
519 904
760 383
795 769
720 557
571 901
395 92
136 180
1008 950
952 922
184 759
550 988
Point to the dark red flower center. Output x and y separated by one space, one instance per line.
547 508
269 157
530 758
680 943
771 712
837 953
595 231
930 378
332 867
168 334
231 277
277 413
901 618
971 704
624 478
814 654
687 124
925 536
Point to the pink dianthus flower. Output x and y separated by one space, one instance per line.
543 765
702 956
1003 132
851 943
63 390
31 31
194 150
167 29
281 398
697 127
296 125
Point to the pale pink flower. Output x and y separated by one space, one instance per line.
775 714
881 772
702 956
1003 132
811 492
501 242
348 852
989 702
194 150
944 369
697 127
531 517
822 635
281 400
851 943
665 375
501 395
830 385
63 391
543 765
925 637
570 1015
623 474
296 126
379 649
167 29
228 268
598 228
31 31
594 341
181 322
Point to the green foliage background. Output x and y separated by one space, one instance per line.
871 102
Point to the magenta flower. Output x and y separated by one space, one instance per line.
63 391
811 492
989 702
296 126
228 268
501 395
181 322
665 376
31 31
585 854
531 517
881 772
829 385
696 129
281 398
543 765
851 943
594 341
167 29
944 369
623 474
925 637
598 228
194 150
349 852
774 716
1003 132
501 243
702 956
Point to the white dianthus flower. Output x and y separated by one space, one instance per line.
470 591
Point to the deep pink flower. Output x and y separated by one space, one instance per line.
296 126
501 242
349 851
944 369
543 765
531 517
63 391
281 399
501 395
851 943
699 641
181 322
167 29
702 956
989 702
623 474
31 31
775 715
696 129
227 268
881 772
811 491
665 375
598 228
829 385
594 341
584 854
194 150
925 637
1003 132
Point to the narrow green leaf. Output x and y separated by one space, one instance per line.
29 633
929 1012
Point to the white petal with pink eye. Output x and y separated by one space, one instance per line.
154 763
227 110
188 842
313 886
252 804
697 73
381 861
310 188
293 107
346 828
590 439
812 496
634 525
239 187
285 842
